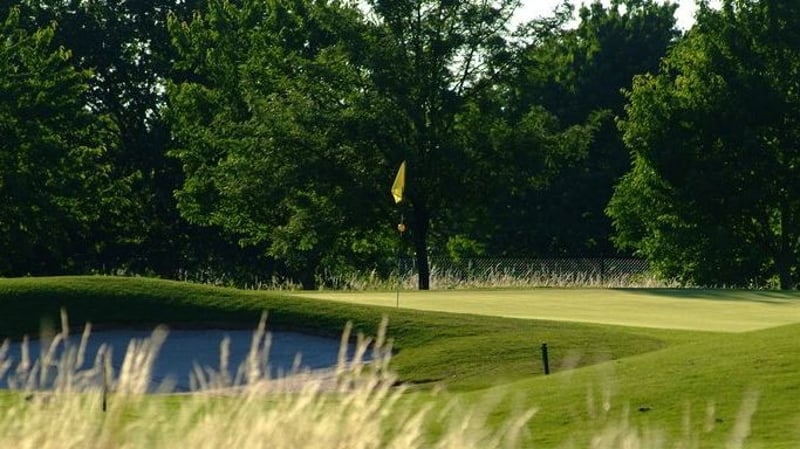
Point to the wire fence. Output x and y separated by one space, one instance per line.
531 272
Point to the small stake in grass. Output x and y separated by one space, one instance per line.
545 360
105 381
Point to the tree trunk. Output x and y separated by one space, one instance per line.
308 281
783 269
307 277
783 262
421 246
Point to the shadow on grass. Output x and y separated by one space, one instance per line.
761 296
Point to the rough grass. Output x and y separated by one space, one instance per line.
492 274
688 309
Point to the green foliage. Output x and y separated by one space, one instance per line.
577 74
271 130
514 162
712 197
282 124
288 118
126 47
425 60
55 156
461 246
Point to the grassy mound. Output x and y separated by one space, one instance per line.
460 351
712 393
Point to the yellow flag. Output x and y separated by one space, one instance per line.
399 183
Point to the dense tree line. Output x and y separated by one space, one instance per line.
260 137
714 195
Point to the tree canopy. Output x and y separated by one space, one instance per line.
577 75
55 171
212 139
271 125
712 197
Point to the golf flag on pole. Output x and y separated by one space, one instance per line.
399 183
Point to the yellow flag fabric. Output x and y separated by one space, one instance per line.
399 183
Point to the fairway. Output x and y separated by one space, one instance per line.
687 309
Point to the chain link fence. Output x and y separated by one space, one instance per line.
532 272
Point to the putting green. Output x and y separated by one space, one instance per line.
709 310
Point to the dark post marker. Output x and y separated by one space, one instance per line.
105 381
545 360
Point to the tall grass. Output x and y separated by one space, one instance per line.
443 278
355 406
444 274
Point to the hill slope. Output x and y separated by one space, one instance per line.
462 351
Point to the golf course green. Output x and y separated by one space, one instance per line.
689 309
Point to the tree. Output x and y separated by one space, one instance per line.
122 45
578 74
426 58
513 161
333 101
272 121
55 168
126 47
714 195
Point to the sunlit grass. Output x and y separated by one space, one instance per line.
687 309
690 392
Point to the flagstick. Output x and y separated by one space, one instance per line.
400 227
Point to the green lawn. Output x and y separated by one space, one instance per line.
691 391
643 357
709 310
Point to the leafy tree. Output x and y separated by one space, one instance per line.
55 168
513 160
271 120
126 46
427 58
325 106
577 74
111 40
713 196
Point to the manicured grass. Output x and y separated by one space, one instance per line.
691 391
459 350
689 309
